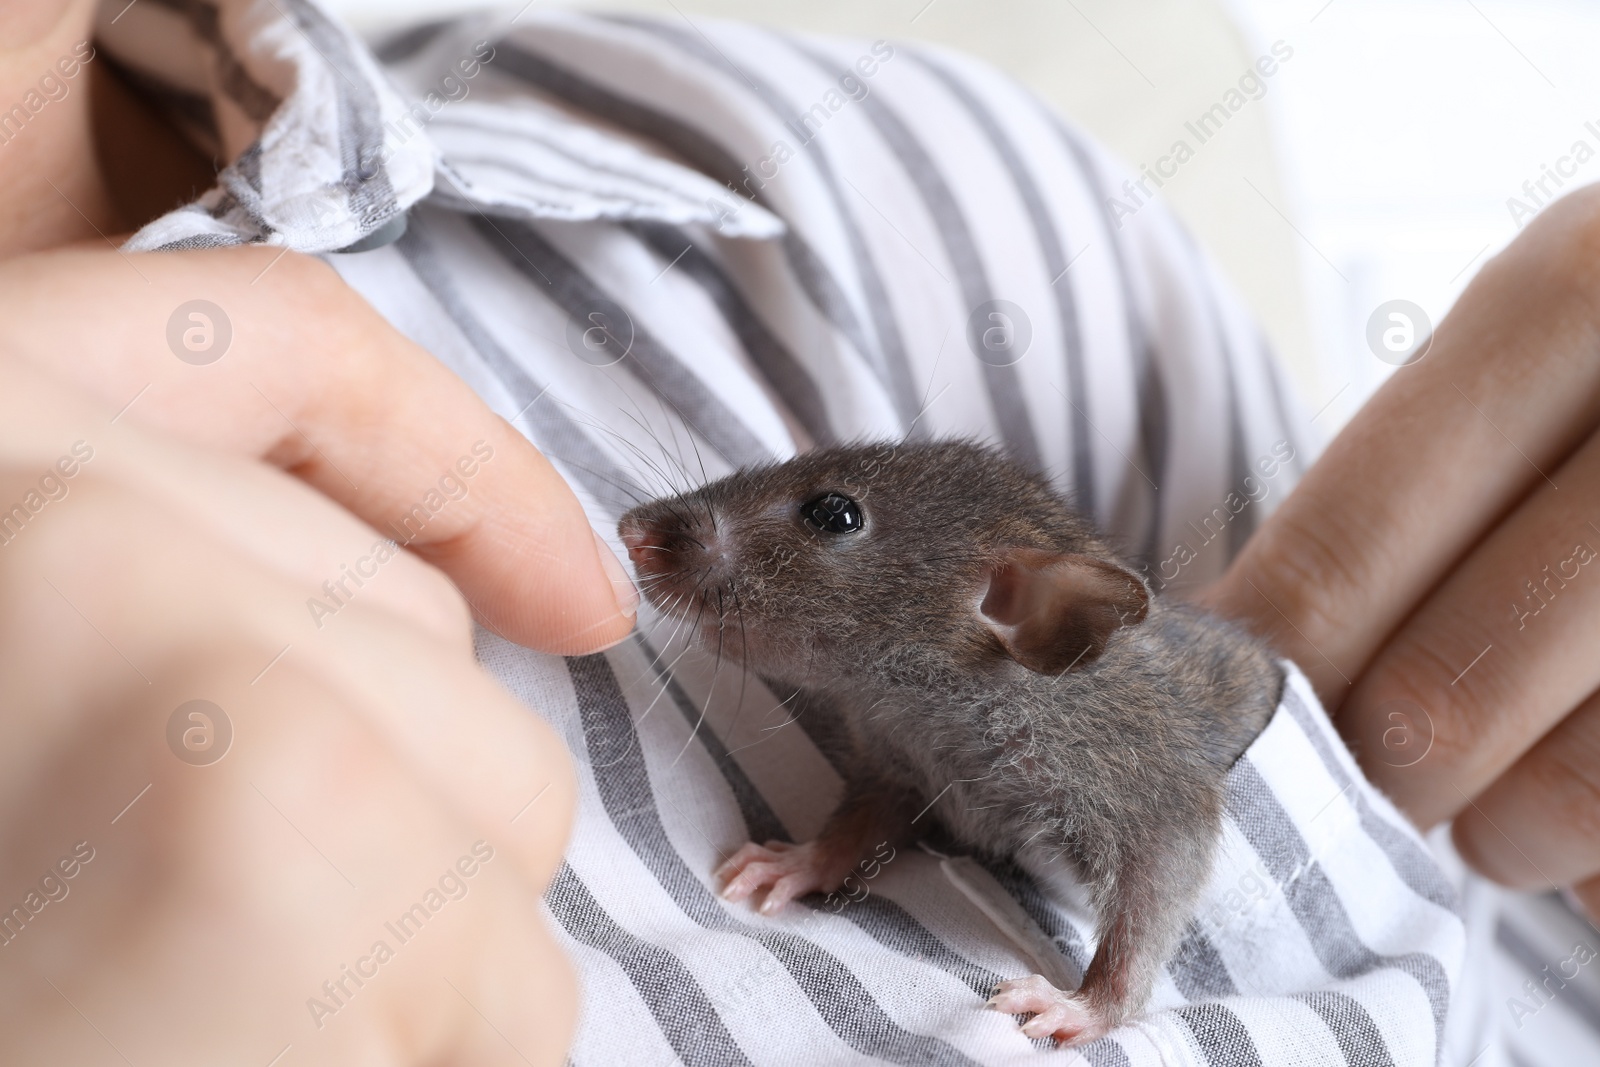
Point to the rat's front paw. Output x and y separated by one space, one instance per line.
786 871
1063 1016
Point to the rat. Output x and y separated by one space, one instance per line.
987 657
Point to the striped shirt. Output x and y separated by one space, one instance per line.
667 249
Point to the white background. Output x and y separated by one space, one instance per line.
1404 126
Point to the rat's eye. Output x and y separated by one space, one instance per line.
832 513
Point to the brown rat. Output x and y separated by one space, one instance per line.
991 661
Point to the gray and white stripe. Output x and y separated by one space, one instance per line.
832 307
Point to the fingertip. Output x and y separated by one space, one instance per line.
551 589
610 630
622 587
585 603
602 636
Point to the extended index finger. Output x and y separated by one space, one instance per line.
278 358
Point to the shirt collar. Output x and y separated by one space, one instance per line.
325 150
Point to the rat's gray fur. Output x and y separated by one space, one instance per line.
1116 765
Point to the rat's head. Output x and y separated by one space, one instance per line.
872 561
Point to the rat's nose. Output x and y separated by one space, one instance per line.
636 539
665 541
669 547
641 540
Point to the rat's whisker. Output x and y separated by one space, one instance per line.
612 380
705 601
643 422
672 428
662 448
689 432
632 492
677 624
744 668
711 512
640 454
704 577
792 719
661 687
764 730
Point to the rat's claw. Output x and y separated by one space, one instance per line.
786 871
749 869
1067 1022
751 851
1056 1014
1024 996
784 890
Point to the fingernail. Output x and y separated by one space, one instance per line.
622 586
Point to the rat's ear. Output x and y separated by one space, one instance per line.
1055 611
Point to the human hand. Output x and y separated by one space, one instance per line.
1434 572
188 885
313 380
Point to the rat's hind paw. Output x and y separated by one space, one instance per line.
1063 1016
786 871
